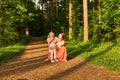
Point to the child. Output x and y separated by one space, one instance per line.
52 40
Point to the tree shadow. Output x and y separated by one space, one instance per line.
38 51
75 51
37 42
23 79
17 66
26 61
77 67
37 47
67 72
24 66
100 53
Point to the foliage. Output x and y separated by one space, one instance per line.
50 21
78 22
7 35
8 52
109 26
15 15
105 54
110 18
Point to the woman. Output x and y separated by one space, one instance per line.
61 48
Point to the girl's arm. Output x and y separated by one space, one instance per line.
56 39
49 40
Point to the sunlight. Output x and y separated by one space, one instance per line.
37 3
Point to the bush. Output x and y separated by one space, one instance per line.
8 35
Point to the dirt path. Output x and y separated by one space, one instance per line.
31 65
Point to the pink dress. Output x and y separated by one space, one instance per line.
61 51
51 43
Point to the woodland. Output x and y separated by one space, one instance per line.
91 26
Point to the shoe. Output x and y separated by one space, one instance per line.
56 60
46 60
52 61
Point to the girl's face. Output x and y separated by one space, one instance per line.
51 35
60 37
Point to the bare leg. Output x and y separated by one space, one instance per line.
55 57
51 56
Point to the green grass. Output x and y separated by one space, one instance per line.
105 54
9 51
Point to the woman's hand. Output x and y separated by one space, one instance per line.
53 47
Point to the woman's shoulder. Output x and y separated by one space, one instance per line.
63 41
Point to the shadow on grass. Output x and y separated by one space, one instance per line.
75 51
91 57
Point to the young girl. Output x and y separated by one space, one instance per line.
61 48
52 40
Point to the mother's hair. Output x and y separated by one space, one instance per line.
63 35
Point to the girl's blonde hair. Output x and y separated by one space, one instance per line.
51 33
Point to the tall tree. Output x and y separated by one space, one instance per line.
70 19
93 6
99 17
56 9
85 11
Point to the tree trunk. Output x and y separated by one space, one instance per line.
51 7
109 37
99 17
51 12
66 3
56 9
42 7
70 19
93 5
85 11
67 8
0 9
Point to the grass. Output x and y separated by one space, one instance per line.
9 51
105 54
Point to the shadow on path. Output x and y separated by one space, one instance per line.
67 72
24 66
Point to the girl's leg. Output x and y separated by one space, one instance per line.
51 56
55 56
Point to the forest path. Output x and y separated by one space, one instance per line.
31 65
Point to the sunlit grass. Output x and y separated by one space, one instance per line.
9 51
105 54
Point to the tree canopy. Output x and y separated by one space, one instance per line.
53 15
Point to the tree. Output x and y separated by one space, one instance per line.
70 19
99 17
85 10
56 9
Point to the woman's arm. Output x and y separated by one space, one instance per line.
60 44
